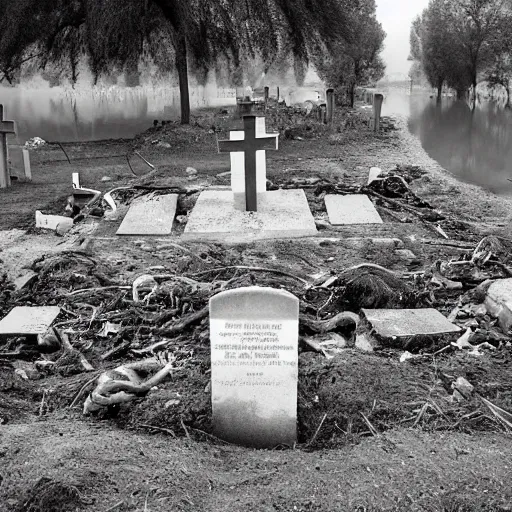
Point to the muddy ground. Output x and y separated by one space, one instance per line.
374 433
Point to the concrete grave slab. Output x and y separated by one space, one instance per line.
254 355
397 323
499 302
351 209
150 216
281 214
29 320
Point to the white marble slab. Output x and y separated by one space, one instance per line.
351 209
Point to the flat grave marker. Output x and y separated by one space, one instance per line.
399 323
281 214
150 216
29 320
254 357
351 209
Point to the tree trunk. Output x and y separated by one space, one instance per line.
439 90
182 67
352 94
473 83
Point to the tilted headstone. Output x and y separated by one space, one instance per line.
254 358
248 169
329 105
5 128
377 108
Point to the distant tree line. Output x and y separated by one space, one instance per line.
182 36
357 61
459 43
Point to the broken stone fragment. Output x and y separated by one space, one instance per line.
25 280
462 388
499 302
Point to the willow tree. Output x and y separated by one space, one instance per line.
182 35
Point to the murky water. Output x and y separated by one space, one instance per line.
61 115
58 114
474 145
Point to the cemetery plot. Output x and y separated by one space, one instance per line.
248 211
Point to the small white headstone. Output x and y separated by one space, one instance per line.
254 357
26 164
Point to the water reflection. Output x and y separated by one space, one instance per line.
58 114
474 144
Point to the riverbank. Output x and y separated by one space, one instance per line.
375 432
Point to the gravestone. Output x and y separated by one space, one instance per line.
377 108
329 105
351 209
243 181
248 212
16 163
150 216
254 358
5 128
249 144
400 323
29 320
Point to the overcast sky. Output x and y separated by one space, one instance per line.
396 17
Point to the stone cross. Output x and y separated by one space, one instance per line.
254 356
253 141
5 128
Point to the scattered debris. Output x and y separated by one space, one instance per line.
124 384
34 143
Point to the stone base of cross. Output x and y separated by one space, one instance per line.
5 128
248 161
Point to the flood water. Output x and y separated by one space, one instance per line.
474 145
63 115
